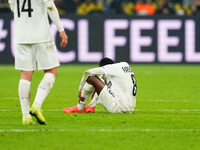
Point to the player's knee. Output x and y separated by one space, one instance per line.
56 73
26 75
52 71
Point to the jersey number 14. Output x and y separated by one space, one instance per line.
26 7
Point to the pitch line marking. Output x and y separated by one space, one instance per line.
9 98
8 110
96 130
171 110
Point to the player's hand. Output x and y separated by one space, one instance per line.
64 39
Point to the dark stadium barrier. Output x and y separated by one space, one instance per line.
157 39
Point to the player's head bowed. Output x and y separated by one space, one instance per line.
105 61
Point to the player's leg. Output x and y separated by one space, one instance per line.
94 101
93 82
25 62
92 105
107 97
86 93
45 86
24 95
99 85
47 60
110 100
43 90
81 108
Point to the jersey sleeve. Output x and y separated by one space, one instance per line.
11 3
53 14
90 72
48 2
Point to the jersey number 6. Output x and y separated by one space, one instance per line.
27 9
134 84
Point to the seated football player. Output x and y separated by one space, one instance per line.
115 89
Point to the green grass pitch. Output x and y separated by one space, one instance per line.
167 115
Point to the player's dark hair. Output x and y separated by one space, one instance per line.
105 61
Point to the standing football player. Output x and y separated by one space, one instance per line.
115 89
35 47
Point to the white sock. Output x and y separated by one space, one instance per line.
44 88
24 96
87 91
94 101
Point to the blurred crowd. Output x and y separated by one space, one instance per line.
125 7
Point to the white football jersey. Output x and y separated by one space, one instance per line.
120 78
31 21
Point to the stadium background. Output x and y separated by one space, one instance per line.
158 32
162 45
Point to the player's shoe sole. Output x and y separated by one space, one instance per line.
27 121
37 113
75 109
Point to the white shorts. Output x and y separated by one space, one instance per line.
113 102
42 55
